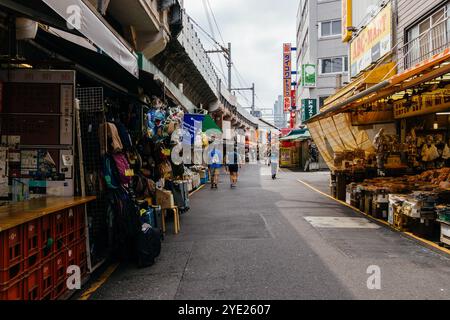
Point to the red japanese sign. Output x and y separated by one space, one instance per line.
287 76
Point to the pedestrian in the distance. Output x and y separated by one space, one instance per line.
215 164
274 161
233 163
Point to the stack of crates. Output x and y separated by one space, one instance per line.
35 256
11 264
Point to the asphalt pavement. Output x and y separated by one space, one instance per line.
277 240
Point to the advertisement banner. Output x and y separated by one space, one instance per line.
309 75
347 20
287 76
309 109
193 123
373 42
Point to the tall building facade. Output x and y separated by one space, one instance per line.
319 44
278 113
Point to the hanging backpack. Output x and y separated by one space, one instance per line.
110 173
148 246
123 168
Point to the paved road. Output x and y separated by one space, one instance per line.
278 240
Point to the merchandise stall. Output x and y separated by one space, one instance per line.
43 224
294 149
388 148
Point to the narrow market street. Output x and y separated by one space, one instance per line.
278 240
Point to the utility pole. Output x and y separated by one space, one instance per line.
227 55
230 65
253 90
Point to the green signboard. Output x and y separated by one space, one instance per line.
309 109
309 75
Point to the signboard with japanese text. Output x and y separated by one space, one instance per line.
373 42
347 20
294 99
309 75
287 76
293 120
309 109
438 101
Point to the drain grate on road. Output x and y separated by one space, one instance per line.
340 223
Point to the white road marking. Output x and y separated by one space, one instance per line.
265 172
341 223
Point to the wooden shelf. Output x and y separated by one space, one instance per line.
19 213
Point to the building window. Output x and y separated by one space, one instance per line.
333 65
322 101
427 38
330 28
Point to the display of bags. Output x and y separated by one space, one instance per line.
148 245
123 168
110 173
180 194
165 170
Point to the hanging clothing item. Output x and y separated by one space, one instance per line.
425 153
112 140
434 153
125 138
446 152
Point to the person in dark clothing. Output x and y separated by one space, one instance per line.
233 167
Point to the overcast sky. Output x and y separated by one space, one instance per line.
257 30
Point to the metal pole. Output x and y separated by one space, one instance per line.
253 99
230 64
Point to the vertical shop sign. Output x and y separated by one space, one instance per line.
309 109
347 20
294 99
67 102
293 119
309 76
287 76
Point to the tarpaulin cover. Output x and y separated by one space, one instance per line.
332 135
336 134
320 140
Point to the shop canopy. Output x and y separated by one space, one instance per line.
297 135
421 73
209 124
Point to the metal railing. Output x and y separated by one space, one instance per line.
191 42
428 44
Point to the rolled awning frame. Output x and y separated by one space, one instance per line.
398 83
96 30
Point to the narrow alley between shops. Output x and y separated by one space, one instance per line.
280 240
